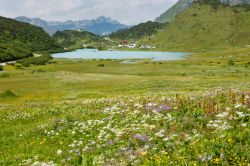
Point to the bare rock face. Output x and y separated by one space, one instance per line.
182 5
235 2
170 14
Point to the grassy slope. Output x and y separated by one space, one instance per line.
18 40
205 27
72 39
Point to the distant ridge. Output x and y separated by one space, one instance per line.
138 31
75 39
182 5
100 26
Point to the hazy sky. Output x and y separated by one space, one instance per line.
126 11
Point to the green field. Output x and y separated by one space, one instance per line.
73 79
102 112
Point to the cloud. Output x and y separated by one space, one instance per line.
125 11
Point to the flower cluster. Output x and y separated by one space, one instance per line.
145 130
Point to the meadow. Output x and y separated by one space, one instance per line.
103 112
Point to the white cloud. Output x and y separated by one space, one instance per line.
125 11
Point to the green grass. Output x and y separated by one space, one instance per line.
203 71
204 27
76 112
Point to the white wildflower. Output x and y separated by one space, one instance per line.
238 105
59 152
222 115
243 124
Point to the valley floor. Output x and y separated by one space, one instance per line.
97 112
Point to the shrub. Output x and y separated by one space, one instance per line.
18 66
1 68
100 65
8 93
194 15
42 60
247 65
231 63
102 48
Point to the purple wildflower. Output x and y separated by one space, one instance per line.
110 142
140 137
165 108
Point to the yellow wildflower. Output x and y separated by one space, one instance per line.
217 160
230 140
43 141
144 153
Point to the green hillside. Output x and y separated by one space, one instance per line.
138 31
206 26
73 39
19 40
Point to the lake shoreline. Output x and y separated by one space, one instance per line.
90 54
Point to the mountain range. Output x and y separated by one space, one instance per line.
100 26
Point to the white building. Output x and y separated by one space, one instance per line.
132 45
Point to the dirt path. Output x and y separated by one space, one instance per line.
37 55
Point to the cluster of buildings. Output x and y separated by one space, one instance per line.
147 47
125 44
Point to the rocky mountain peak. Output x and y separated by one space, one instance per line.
182 5
235 2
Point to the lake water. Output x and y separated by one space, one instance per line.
95 54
